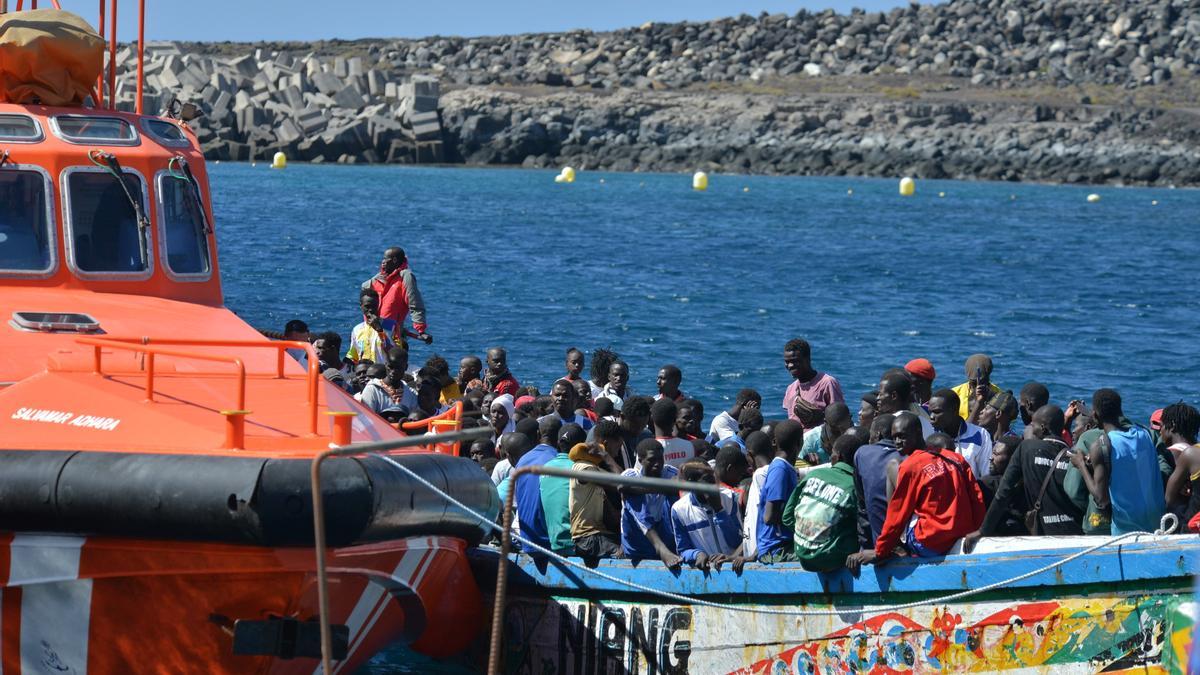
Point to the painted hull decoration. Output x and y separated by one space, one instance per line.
1106 623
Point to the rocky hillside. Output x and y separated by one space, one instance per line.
1087 91
1006 42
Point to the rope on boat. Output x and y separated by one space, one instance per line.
1167 525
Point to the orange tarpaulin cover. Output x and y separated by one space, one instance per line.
48 56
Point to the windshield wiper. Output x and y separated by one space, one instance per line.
108 161
185 174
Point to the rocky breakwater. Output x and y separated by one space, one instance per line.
931 137
312 109
1006 42
1089 91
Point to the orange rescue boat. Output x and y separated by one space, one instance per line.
155 500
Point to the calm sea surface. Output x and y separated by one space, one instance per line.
1075 295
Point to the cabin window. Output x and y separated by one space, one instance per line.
19 128
84 129
26 244
184 227
105 236
166 133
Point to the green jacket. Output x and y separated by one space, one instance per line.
823 513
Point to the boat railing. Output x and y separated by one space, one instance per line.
235 427
445 422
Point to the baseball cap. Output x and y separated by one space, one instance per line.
922 368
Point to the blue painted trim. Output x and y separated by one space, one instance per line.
1133 562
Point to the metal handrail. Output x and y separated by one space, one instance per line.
148 346
659 485
453 417
319 511
453 413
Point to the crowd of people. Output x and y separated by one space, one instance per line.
913 471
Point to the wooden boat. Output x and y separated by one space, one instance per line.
1121 609
155 509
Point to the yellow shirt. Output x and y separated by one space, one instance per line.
964 393
451 393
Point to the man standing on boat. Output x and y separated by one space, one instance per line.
1121 468
398 294
812 391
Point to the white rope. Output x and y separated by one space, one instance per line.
688 600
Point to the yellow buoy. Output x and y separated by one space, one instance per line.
1093 198
560 178
941 194
907 187
700 181
745 189
568 174
279 161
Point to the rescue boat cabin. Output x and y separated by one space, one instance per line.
68 222
108 259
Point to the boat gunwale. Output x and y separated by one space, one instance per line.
1142 562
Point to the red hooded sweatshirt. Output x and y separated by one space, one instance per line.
940 489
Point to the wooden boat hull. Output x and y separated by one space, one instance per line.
1121 610
72 604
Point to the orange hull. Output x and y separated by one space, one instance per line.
72 604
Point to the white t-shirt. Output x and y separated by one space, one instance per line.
750 524
611 394
723 426
975 445
501 471
676 451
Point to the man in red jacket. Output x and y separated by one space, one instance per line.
936 502
398 294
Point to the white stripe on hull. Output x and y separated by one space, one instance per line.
375 597
409 568
56 606
42 558
54 627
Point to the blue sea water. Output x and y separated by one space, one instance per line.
1077 295
1074 294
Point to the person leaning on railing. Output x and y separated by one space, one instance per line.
596 510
